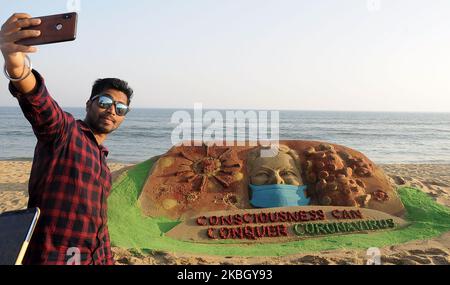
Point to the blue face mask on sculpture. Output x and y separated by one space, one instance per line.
278 195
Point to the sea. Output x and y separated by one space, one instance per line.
384 137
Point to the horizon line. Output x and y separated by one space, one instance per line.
260 109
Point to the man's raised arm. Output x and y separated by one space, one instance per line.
14 54
48 120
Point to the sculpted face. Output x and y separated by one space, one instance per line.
280 169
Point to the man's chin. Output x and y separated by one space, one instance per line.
104 129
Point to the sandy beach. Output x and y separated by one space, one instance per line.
432 179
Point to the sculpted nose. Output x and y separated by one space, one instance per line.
277 179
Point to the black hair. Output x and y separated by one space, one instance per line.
102 84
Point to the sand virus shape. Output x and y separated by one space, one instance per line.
334 182
202 165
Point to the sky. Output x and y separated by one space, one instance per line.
341 55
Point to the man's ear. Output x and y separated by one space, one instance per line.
88 105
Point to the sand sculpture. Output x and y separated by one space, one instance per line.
191 180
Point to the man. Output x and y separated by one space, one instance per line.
70 180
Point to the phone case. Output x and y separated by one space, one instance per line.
54 29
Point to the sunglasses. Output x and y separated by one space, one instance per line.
105 101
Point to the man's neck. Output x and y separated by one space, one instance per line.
100 138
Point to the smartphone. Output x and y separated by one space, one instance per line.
54 29
16 229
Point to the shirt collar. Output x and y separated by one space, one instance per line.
85 128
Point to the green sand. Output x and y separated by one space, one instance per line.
130 229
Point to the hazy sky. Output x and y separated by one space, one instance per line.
253 54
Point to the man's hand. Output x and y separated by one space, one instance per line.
14 54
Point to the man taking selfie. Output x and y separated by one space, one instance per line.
70 180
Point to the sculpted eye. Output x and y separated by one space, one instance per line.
287 173
261 175
260 178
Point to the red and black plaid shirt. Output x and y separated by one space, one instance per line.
70 183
